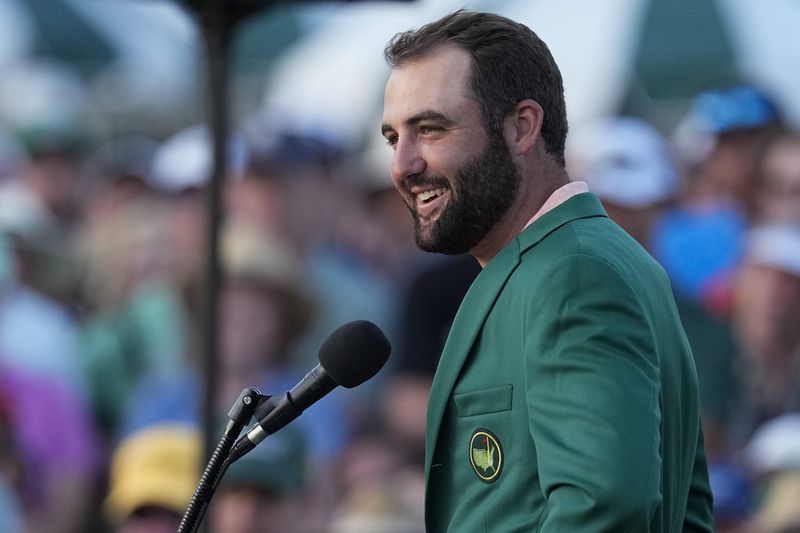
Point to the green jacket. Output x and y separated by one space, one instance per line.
566 397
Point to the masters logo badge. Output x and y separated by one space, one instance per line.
485 455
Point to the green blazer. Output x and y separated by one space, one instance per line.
566 397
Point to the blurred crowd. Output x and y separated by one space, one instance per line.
103 258
717 203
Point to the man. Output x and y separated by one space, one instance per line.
153 474
566 396
766 305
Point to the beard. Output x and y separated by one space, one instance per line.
480 194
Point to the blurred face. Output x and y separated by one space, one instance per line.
151 520
251 327
780 191
247 510
456 178
767 306
53 177
186 231
731 167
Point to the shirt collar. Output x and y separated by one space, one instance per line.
559 196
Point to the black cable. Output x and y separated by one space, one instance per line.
240 414
214 471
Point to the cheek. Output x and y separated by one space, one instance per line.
448 160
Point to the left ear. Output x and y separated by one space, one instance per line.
522 126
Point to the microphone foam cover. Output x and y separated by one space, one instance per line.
354 353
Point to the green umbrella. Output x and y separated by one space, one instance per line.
261 39
684 48
62 33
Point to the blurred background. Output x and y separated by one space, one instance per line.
684 117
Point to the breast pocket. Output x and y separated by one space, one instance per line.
484 401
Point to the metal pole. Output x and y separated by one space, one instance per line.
216 33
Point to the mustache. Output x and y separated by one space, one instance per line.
419 180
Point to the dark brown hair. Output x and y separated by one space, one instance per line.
509 64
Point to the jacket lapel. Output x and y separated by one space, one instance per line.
467 324
479 301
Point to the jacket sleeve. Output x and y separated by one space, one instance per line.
593 396
699 508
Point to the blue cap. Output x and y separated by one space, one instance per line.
732 490
738 108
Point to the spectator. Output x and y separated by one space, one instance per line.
734 497
427 308
53 171
136 322
143 254
721 140
58 451
153 475
377 490
778 191
767 304
38 332
699 241
627 163
774 456
264 307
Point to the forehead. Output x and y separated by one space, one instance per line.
436 81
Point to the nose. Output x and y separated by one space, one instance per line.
406 161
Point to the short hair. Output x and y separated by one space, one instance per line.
509 64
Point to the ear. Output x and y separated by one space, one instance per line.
523 125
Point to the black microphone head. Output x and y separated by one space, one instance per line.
354 353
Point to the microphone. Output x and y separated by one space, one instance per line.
350 356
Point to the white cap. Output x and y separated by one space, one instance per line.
623 160
776 445
184 160
776 246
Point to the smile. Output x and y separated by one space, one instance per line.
431 202
427 196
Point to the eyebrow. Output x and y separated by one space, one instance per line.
420 117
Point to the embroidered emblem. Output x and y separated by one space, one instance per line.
485 455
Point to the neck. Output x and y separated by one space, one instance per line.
532 194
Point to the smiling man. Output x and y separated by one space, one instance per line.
566 395
451 214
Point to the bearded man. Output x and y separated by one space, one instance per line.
566 395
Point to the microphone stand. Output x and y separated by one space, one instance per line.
249 402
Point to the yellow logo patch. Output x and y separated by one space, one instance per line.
485 455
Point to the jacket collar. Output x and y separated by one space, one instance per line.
583 205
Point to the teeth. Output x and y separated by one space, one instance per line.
427 195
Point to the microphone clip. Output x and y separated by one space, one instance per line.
250 403
267 409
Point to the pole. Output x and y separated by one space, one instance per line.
217 22
216 34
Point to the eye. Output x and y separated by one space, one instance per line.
426 129
391 140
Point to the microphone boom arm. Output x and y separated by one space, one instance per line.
248 403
